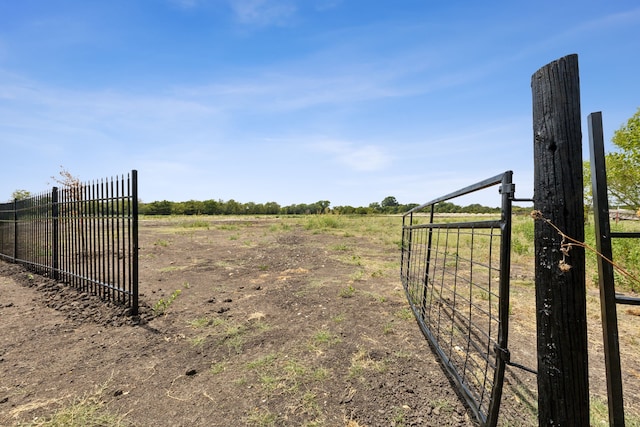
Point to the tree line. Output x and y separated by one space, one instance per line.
232 207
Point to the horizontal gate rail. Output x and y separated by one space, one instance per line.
456 279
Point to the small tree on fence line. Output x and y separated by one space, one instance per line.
69 182
73 185
20 195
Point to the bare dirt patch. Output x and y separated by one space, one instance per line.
247 322
259 322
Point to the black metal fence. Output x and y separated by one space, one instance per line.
85 235
609 298
456 278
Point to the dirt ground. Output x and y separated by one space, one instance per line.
253 321
271 325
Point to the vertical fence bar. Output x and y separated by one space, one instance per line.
54 233
118 232
507 191
112 239
77 240
427 261
85 237
606 277
134 225
15 229
563 376
103 273
123 234
93 213
67 236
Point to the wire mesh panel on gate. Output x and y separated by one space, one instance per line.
456 278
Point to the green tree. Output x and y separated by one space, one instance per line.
375 207
20 195
623 166
389 201
323 205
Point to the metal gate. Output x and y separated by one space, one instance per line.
456 278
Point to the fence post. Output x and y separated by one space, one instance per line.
563 377
609 316
15 230
54 233
134 200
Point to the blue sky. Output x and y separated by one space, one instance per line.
296 101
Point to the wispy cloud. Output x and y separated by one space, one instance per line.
263 12
630 17
358 158
186 4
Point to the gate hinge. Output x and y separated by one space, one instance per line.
502 353
509 189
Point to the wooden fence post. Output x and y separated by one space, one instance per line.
563 376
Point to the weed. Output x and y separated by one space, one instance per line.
163 304
320 374
361 362
217 368
309 404
90 410
356 260
195 224
339 318
267 360
388 328
261 418
357 276
377 273
323 222
197 341
481 294
227 227
404 314
294 368
340 247
322 338
398 417
240 381
234 338
270 382
442 405
285 227
347 292
376 297
171 268
599 414
519 247
161 242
